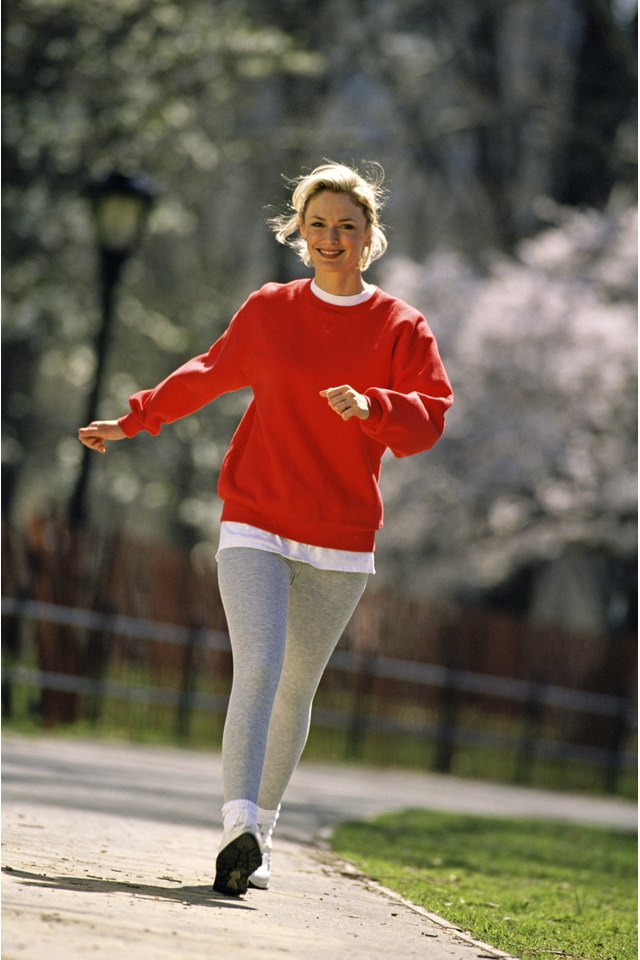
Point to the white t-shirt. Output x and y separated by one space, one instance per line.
234 534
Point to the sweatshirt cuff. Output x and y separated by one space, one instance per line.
130 425
375 411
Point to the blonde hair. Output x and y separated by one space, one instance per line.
366 191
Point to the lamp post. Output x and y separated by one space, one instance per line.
120 206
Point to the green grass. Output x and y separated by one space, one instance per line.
536 889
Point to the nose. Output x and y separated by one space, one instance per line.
332 234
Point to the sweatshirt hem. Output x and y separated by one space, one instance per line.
320 533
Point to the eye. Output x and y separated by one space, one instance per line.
316 223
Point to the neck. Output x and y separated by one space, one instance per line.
340 286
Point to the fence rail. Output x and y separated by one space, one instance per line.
366 669
114 623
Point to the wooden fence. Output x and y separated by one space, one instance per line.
369 677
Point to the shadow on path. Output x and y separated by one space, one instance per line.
201 895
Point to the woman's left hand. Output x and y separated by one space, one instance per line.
347 402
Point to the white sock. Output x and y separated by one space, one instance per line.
238 814
267 820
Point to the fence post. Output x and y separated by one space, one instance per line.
12 631
184 708
532 713
619 735
364 679
447 721
98 655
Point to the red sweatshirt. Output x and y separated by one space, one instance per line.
294 467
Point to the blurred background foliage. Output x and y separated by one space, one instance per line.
507 132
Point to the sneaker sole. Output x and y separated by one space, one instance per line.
235 864
259 885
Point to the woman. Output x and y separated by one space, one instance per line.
340 371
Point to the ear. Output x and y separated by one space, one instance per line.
301 227
366 242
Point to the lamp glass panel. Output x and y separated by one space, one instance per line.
118 220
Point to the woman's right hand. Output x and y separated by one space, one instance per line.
98 431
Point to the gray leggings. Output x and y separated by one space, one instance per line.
285 619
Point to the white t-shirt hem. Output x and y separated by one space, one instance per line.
233 534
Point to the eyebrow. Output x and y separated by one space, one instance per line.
316 216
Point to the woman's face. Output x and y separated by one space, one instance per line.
335 229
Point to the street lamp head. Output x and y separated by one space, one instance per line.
120 206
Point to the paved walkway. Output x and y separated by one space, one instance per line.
109 849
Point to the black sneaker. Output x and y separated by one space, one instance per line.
235 864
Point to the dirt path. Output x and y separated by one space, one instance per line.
108 852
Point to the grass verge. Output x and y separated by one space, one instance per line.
536 889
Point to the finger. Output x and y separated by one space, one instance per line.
340 397
340 405
332 392
96 445
92 438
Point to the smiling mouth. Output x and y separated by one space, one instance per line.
330 254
